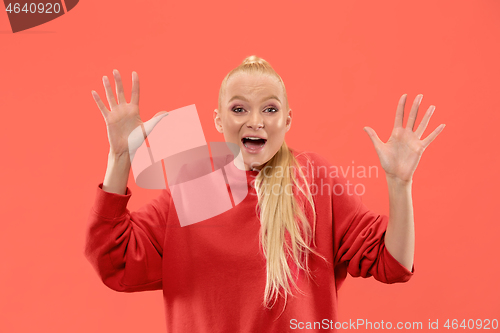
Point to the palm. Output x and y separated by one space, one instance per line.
123 121
123 113
400 155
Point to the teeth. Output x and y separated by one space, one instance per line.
253 138
262 145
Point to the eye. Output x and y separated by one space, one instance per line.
272 108
235 110
241 110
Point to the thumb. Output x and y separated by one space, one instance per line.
151 123
373 136
160 113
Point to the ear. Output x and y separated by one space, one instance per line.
217 121
289 120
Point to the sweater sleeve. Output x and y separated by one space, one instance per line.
126 248
359 238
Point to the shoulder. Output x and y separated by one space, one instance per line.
319 169
311 159
314 167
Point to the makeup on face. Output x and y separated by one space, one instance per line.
253 117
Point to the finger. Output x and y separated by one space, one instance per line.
135 89
414 111
427 141
373 136
109 92
100 105
425 121
119 87
398 122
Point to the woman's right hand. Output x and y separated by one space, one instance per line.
124 118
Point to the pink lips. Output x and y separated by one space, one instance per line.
254 150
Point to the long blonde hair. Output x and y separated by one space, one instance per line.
280 213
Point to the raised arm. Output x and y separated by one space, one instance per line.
399 158
125 248
359 239
120 124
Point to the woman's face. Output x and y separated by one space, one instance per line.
253 107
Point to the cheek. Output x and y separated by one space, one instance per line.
228 125
233 122
278 123
277 127
231 131
277 137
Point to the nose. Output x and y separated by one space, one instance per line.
256 121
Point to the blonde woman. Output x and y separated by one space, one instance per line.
274 262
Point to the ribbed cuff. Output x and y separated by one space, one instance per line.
111 205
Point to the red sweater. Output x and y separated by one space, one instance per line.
213 273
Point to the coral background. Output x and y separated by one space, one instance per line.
345 65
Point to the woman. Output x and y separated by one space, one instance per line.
235 272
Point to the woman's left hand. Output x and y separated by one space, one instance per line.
400 155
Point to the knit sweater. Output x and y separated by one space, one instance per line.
213 273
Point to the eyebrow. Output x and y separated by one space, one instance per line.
246 100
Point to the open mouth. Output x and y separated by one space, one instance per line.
253 142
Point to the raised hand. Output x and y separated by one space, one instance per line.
123 118
399 157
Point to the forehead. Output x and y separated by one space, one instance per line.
252 85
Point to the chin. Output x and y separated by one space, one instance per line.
253 164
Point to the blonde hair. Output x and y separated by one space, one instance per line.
281 213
